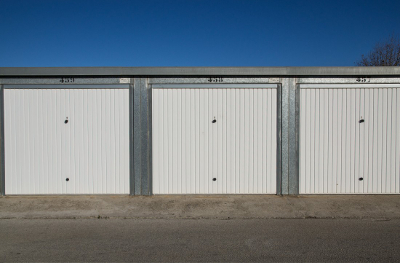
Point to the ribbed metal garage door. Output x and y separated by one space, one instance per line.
66 141
214 139
350 139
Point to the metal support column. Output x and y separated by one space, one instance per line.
131 142
290 177
141 138
293 138
279 143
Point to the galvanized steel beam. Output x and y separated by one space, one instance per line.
285 138
137 137
293 139
289 177
131 142
145 135
141 138
279 142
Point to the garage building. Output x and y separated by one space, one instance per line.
144 131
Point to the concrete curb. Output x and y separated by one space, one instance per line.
225 207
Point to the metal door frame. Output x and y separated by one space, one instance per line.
333 82
229 82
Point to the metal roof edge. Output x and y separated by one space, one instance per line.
196 71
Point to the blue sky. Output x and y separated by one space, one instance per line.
64 33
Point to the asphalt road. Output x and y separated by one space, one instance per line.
199 240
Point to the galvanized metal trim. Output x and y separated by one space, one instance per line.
348 86
70 86
347 80
195 80
212 86
279 141
2 148
225 80
131 142
196 71
65 81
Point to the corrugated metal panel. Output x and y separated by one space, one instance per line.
349 142
91 149
238 149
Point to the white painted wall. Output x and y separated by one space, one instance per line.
336 150
92 149
239 149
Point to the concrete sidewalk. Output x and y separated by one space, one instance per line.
205 206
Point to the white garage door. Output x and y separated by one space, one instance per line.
350 139
66 141
214 139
